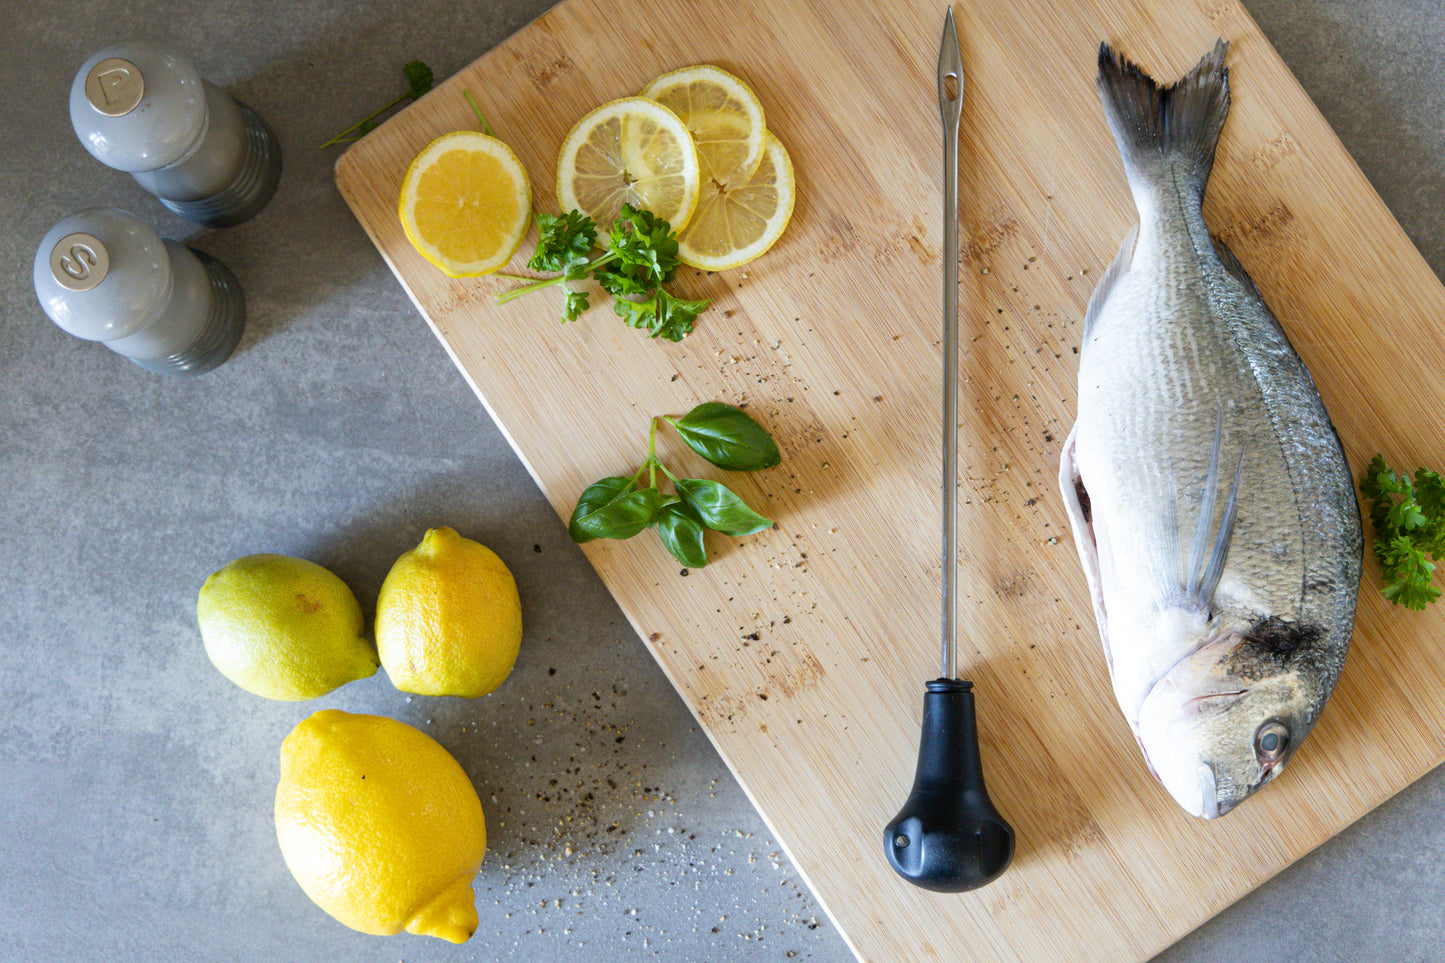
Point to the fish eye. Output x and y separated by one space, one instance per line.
1271 741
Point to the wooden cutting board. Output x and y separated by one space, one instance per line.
803 650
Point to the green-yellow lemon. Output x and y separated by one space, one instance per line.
283 627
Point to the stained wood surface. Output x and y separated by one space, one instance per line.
803 650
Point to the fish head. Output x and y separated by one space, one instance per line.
1225 719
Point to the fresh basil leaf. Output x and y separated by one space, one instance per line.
728 437
719 507
681 531
612 508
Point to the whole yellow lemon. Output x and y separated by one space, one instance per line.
283 627
448 618
380 825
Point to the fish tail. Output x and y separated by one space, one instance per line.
1158 127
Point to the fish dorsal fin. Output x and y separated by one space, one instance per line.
1202 576
1112 274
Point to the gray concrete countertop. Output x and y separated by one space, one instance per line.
135 802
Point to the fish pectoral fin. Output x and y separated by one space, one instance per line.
1081 522
1116 269
1203 575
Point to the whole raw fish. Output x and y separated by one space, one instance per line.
1210 499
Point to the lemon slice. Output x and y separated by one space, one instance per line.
629 151
723 115
466 203
736 222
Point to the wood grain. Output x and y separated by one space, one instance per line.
803 650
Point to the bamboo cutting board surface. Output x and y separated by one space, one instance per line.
803 650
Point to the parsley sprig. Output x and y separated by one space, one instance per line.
1409 520
639 257
419 80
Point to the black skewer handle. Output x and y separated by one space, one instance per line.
948 837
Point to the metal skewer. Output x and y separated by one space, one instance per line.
950 107
948 836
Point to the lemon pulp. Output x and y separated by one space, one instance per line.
738 221
466 203
629 151
723 115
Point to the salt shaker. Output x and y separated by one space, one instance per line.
105 275
142 108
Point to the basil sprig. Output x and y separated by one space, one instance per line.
618 507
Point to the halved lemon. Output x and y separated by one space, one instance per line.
629 151
723 115
738 221
466 203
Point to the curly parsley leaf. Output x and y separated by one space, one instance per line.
1410 574
622 281
563 241
644 244
1430 496
662 315
574 304
1409 522
418 77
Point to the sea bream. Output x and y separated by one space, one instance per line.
1209 495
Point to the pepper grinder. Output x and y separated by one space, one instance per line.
142 108
105 275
